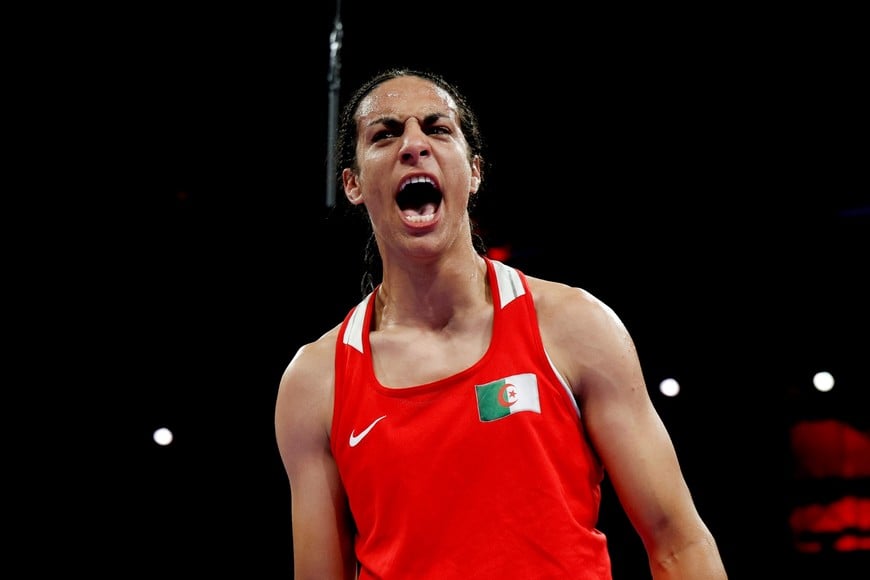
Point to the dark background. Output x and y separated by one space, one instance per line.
703 172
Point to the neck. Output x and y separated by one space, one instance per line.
433 295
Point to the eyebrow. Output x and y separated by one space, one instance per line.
392 121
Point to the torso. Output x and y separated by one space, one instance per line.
414 357
421 447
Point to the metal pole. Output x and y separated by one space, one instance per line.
334 80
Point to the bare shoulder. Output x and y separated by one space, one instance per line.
311 360
565 306
582 334
305 391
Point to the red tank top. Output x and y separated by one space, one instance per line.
483 474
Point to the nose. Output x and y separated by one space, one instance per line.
415 144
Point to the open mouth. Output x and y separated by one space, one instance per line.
419 199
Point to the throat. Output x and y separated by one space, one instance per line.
443 299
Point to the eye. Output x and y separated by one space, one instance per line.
381 135
387 130
438 130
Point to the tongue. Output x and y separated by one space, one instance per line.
425 209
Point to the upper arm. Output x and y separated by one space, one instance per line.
594 351
321 523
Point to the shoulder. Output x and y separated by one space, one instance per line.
555 301
305 391
583 335
310 364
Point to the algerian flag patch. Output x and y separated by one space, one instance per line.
508 396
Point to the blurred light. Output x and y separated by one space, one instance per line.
500 253
823 381
163 436
669 387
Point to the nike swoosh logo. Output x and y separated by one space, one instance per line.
355 439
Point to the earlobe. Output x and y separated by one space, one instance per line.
476 176
351 187
353 195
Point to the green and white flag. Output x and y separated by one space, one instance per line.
508 396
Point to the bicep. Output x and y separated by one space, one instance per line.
320 519
596 353
632 441
321 524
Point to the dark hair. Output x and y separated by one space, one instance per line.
346 139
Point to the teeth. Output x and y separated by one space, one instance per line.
417 179
419 219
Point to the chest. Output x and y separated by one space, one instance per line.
409 358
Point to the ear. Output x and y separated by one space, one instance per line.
351 186
476 174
